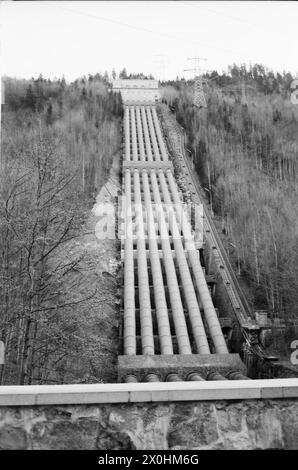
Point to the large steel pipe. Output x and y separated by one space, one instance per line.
194 377
162 316
140 135
152 135
234 375
205 296
159 134
144 290
129 333
151 378
134 135
174 293
172 377
127 134
146 135
130 378
188 288
214 375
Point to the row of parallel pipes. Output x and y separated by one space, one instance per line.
156 221
144 119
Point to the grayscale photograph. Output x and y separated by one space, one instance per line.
148 231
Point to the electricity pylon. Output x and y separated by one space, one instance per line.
199 96
162 66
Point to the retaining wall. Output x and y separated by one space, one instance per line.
207 415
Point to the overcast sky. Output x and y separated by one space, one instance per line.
77 38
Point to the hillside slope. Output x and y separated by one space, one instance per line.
58 144
245 148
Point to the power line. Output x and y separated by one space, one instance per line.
197 68
220 13
240 20
138 28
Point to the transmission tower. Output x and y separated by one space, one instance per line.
199 96
162 66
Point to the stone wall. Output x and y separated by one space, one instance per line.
245 424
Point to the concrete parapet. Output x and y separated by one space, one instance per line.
80 394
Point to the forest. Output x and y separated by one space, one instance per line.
57 146
245 149
58 142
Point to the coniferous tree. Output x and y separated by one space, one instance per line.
123 73
30 99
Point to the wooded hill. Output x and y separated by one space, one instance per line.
58 141
245 146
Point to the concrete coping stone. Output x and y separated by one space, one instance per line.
28 395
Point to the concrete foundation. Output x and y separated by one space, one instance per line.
183 365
